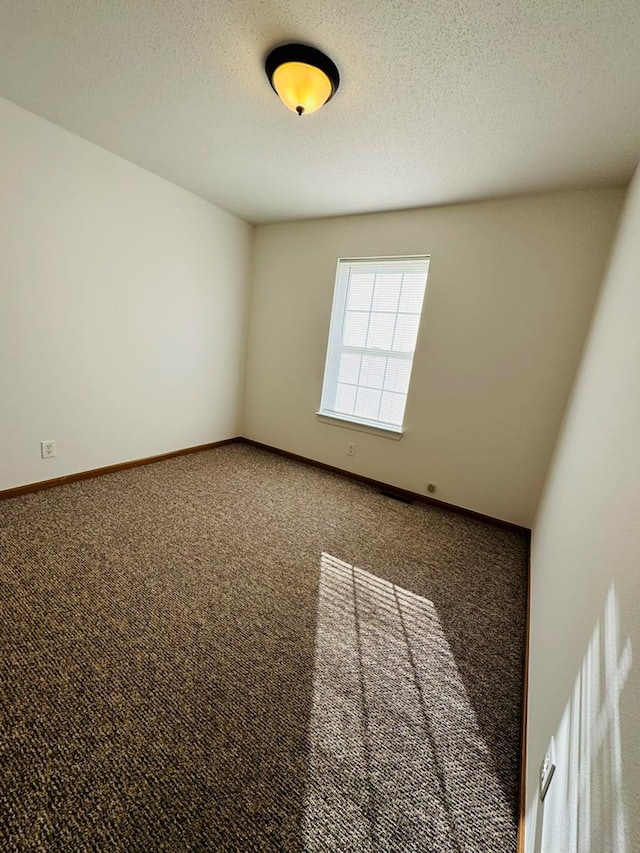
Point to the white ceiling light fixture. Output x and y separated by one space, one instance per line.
303 77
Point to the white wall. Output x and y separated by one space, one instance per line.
511 290
123 303
584 677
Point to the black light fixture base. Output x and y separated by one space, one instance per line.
302 53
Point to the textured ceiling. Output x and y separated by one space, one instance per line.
441 101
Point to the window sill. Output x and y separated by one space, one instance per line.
347 423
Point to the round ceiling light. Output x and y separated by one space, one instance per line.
303 77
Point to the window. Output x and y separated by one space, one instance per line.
372 338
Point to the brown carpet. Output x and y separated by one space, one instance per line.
230 651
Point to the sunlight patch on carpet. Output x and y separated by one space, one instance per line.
397 759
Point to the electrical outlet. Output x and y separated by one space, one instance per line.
431 487
351 448
47 449
547 769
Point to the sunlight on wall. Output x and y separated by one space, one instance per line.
584 810
397 756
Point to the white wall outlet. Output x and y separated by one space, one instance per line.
351 448
47 449
547 769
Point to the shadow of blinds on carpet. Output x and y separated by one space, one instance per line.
397 759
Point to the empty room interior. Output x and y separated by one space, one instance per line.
319 426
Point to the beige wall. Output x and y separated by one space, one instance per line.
511 290
123 303
584 681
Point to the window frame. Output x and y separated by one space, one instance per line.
336 346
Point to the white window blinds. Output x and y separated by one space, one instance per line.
374 325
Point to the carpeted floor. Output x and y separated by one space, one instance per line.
230 651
